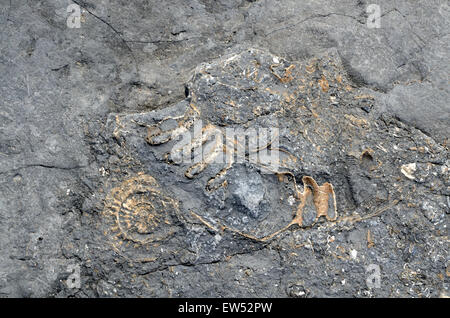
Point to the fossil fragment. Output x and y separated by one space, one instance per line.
320 199
138 215
408 170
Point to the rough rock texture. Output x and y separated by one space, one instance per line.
85 120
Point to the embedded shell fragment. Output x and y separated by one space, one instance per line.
320 198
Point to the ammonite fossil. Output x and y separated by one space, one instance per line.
140 217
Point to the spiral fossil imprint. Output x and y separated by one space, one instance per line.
138 213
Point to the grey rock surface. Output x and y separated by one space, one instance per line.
86 192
